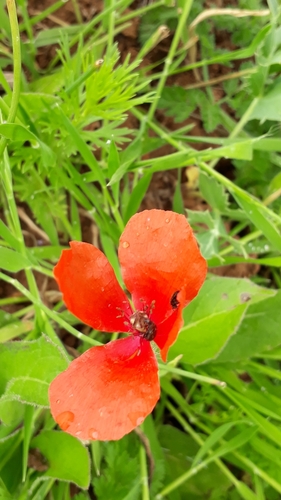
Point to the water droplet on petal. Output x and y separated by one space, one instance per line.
125 244
167 220
136 418
64 419
140 420
58 401
93 434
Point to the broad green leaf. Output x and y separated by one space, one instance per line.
68 459
28 390
259 331
11 411
12 261
201 341
214 316
27 377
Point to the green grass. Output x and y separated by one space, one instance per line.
66 154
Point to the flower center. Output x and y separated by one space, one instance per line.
142 324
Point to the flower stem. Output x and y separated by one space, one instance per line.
144 476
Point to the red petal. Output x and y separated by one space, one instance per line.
168 330
108 391
90 289
159 256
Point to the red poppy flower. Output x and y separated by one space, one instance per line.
110 389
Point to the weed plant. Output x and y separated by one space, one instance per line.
69 156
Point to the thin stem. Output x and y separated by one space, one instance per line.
194 376
17 68
144 476
77 11
169 59
110 26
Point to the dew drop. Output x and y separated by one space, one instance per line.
64 419
58 401
93 434
125 244
102 289
167 220
78 433
140 420
136 418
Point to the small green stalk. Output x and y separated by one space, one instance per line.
170 57
110 22
144 476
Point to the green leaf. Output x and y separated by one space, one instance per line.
214 316
211 440
137 196
16 132
119 470
179 450
11 411
213 192
12 261
8 236
23 376
259 331
15 330
201 341
81 146
68 459
269 106
127 158
259 217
